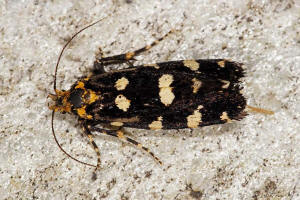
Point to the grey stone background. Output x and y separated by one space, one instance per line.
256 158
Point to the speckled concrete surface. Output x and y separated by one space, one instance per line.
256 158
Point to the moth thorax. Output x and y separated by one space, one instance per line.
81 97
77 98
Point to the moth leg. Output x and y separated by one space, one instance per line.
120 135
110 127
129 56
116 128
100 53
99 67
87 132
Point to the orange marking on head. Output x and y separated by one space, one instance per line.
64 105
80 84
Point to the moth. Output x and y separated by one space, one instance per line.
168 95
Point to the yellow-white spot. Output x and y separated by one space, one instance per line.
225 117
121 83
226 84
156 125
192 64
156 66
195 119
165 93
116 123
221 63
196 85
122 102
166 96
165 80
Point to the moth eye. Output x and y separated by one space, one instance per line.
76 98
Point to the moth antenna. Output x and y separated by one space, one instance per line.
260 110
60 147
54 87
65 46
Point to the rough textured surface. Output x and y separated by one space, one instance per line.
256 158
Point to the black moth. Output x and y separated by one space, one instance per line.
168 95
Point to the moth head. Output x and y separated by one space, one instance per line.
74 100
61 101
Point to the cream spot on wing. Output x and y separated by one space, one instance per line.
152 65
121 83
156 125
116 123
226 84
165 80
225 117
192 64
165 93
166 96
122 102
195 119
196 85
221 63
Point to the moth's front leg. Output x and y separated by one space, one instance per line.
86 129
